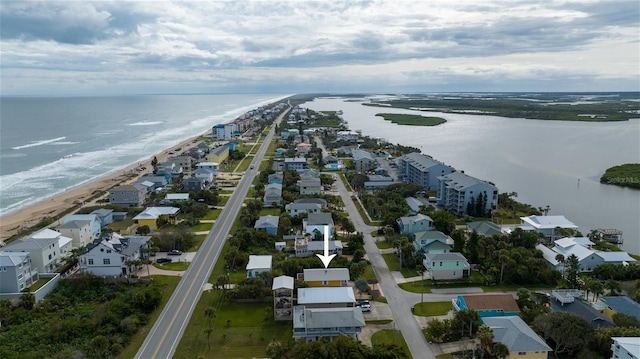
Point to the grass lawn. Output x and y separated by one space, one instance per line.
394 265
270 211
390 336
431 309
178 266
222 201
225 191
213 213
381 300
246 334
167 284
444 356
417 286
382 244
369 273
201 227
38 284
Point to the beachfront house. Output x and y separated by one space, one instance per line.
17 273
272 195
224 131
151 215
80 232
156 182
257 265
546 225
443 266
466 195
105 216
415 223
128 195
518 337
96 225
267 224
422 170
47 249
113 255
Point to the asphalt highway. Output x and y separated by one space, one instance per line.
162 340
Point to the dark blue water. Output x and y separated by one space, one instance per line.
49 144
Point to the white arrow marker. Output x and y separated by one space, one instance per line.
326 258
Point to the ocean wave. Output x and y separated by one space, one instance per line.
145 123
63 143
38 143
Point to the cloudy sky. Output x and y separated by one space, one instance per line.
91 47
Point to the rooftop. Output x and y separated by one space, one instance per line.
548 222
322 274
516 334
326 295
259 262
491 301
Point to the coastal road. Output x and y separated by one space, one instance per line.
162 340
399 303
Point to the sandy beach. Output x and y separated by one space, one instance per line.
13 222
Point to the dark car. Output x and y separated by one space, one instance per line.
174 252
163 260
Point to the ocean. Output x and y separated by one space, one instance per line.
49 144
554 163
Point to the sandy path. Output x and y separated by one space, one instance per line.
11 223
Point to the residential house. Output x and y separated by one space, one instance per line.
96 225
377 182
415 223
588 258
211 166
175 198
206 175
518 337
320 201
330 160
347 136
223 131
128 195
280 246
272 195
316 222
113 255
305 246
219 154
277 178
415 204
297 209
329 297
184 162
547 225
485 228
44 248
296 163
422 170
193 184
303 148
151 215
310 324
625 347
346 150
487 305
157 182
268 224
105 216
364 161
308 173
257 265
310 186
326 277
280 152
582 309
282 297
460 193
443 266
432 242
80 232
169 170
16 272
622 305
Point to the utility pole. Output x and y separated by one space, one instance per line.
422 291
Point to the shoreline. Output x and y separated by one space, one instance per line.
28 216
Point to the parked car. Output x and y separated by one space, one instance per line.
174 252
163 260
364 305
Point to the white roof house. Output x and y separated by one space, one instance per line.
156 212
588 259
282 282
626 347
546 225
341 296
177 197
257 265
326 274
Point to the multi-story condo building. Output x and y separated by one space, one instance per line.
457 190
422 169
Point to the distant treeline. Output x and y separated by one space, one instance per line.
627 175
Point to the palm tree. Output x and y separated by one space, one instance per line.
210 313
500 350
596 288
613 286
560 259
485 336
